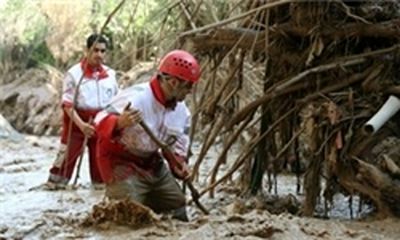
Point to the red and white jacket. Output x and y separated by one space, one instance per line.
132 145
97 88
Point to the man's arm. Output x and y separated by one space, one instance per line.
69 91
110 123
176 154
85 127
177 164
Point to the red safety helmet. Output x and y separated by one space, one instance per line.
180 64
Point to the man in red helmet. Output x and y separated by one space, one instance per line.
130 162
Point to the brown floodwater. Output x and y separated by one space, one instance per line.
28 212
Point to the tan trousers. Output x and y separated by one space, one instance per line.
160 191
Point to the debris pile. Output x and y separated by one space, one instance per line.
297 80
122 212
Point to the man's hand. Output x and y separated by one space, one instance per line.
87 129
183 172
128 117
180 169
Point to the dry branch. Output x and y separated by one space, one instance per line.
235 18
245 154
228 37
279 89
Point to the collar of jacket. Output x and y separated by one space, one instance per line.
157 91
89 71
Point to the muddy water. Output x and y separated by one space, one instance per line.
30 213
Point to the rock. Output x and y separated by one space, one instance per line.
8 132
31 102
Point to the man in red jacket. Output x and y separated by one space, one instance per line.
97 87
130 162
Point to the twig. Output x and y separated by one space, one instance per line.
392 90
241 159
336 130
321 68
287 145
348 12
235 18
189 18
210 108
78 169
221 157
196 166
30 230
111 16
337 86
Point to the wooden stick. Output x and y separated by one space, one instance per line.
241 159
163 146
212 135
187 15
224 152
235 18
78 169
196 165
286 83
348 12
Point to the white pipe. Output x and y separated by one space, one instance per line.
390 108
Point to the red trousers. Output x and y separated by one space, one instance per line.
72 148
